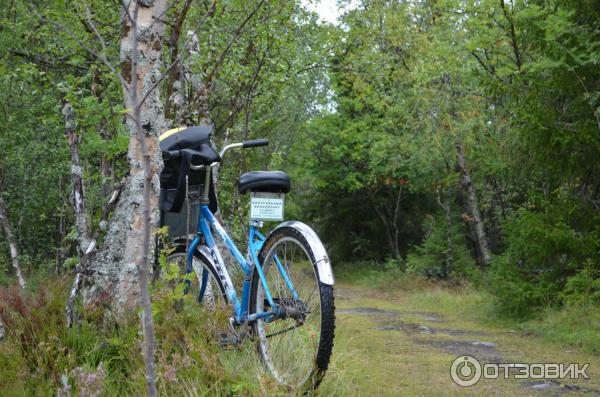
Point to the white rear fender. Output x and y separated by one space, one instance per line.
322 261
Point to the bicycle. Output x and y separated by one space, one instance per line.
287 291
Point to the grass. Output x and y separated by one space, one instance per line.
389 363
40 355
99 356
575 325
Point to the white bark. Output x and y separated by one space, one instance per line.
115 273
69 308
188 86
85 242
12 243
473 205
121 268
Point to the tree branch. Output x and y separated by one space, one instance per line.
236 34
512 35
101 56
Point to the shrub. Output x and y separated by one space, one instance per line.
546 260
584 287
430 257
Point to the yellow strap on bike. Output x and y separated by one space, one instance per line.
170 132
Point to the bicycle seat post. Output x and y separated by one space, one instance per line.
205 200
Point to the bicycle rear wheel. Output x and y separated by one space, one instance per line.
295 348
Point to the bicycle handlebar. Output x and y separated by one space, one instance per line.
175 154
255 143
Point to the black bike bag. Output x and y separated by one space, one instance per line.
192 146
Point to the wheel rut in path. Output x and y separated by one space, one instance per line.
434 331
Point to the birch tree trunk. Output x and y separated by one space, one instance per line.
85 242
473 205
14 253
114 276
189 98
12 243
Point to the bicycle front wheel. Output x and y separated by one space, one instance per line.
295 347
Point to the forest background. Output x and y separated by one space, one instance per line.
451 140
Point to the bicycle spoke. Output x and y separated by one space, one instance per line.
291 344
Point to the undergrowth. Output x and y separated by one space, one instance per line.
102 356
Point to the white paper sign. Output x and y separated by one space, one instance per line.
266 208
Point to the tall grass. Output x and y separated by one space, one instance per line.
100 356
390 275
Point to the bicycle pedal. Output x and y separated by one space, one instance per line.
229 341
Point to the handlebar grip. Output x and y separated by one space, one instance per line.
255 143
171 154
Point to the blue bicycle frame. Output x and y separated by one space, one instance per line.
206 220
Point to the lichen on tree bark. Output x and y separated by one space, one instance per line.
114 274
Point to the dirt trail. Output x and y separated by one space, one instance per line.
401 345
